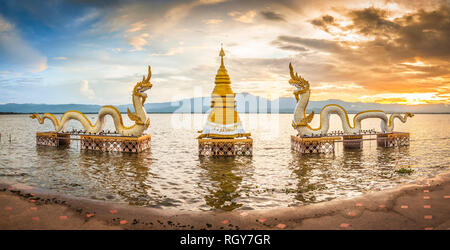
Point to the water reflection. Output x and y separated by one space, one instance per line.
320 177
393 158
222 178
125 174
307 170
351 158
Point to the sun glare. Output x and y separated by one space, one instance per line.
417 63
406 98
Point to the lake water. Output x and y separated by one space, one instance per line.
171 174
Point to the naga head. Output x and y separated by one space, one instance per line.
145 84
138 91
298 82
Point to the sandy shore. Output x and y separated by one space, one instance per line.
423 205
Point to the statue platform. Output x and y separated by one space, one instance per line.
394 139
104 143
313 145
352 141
52 139
326 144
225 147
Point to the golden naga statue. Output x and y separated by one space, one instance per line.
302 120
141 122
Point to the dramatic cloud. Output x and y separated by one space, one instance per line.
379 50
368 46
421 33
319 44
323 22
372 21
273 16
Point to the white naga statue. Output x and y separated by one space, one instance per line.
141 122
302 120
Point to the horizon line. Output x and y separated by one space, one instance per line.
203 97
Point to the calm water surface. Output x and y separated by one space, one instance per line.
171 175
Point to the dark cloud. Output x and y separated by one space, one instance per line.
419 34
289 46
290 42
118 3
369 21
390 52
426 34
273 16
323 22
372 21
293 48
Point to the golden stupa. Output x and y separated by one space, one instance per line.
223 120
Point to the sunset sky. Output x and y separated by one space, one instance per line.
95 51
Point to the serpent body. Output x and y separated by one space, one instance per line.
141 122
302 120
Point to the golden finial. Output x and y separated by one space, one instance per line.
221 54
222 74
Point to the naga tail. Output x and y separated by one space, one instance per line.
47 116
40 120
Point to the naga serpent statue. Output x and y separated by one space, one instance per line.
302 120
141 122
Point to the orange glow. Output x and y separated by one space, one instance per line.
407 98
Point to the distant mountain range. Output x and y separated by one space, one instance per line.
246 103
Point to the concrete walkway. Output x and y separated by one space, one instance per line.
423 206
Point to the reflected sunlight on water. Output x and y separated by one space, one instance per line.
171 175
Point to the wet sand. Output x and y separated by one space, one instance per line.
424 205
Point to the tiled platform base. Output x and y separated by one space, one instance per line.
52 139
394 139
352 141
306 145
225 147
115 143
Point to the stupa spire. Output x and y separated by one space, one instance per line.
221 54
222 76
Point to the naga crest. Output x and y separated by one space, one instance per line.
298 82
145 84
